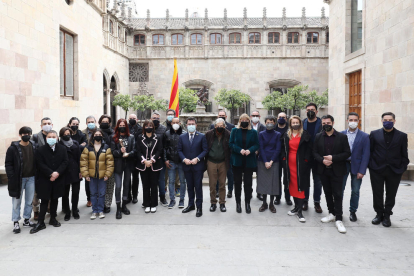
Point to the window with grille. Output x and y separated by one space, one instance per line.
312 38
216 39
158 39
139 39
273 38
196 39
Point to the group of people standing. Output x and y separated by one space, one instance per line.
45 166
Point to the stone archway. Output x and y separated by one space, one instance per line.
282 86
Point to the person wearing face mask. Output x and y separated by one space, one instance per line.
218 163
97 166
168 122
268 182
72 175
282 128
389 160
313 125
256 125
149 149
244 142
173 162
51 164
77 134
90 129
20 168
296 153
123 150
331 150
160 131
230 180
357 164
40 140
135 129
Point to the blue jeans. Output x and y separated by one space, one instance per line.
355 186
230 180
317 186
98 190
161 182
28 185
171 180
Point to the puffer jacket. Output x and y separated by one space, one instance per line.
171 145
97 164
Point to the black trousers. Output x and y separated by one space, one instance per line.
332 187
150 187
43 209
392 182
87 190
244 175
194 187
285 186
75 196
135 183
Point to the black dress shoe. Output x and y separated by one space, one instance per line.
199 212
39 226
135 200
377 220
223 208
263 207
128 200
75 215
248 209
54 223
213 207
229 194
189 209
125 209
107 210
260 197
305 206
67 216
276 202
289 202
352 216
386 222
318 208
238 208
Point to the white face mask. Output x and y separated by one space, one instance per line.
47 128
175 126
353 125
255 119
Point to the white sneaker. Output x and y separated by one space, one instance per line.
292 212
153 209
328 218
101 215
94 215
340 226
147 210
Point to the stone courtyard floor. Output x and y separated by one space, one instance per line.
171 243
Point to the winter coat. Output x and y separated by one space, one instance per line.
73 169
210 136
97 164
120 162
153 152
170 144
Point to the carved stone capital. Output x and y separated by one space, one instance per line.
147 29
284 27
245 27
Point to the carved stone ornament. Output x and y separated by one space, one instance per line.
225 29
325 28
139 72
305 27
206 28
147 29
284 27
186 29
245 27
264 27
143 88
166 28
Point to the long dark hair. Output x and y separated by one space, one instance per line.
93 134
72 119
147 123
63 130
117 133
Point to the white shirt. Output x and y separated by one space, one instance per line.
255 126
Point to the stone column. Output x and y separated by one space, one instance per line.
108 102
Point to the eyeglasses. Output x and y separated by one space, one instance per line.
256 116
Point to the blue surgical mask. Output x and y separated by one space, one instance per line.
51 141
388 125
91 126
169 118
191 128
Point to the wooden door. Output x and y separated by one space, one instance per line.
355 94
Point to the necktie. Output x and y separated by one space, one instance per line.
191 138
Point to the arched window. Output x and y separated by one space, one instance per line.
327 37
254 38
235 38
273 38
293 37
111 27
177 39
158 39
216 39
196 39
139 39
312 38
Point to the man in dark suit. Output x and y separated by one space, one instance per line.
331 150
389 160
357 164
259 127
230 181
192 148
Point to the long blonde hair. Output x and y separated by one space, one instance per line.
290 130
244 116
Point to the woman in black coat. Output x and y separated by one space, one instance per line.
296 153
149 149
72 175
52 161
76 134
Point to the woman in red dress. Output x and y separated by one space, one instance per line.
296 151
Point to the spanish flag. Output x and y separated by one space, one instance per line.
174 103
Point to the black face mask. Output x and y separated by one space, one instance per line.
327 128
26 138
244 124
224 118
220 129
65 137
156 122
149 130
74 128
104 125
311 114
132 122
122 129
97 138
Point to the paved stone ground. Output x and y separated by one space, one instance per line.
171 243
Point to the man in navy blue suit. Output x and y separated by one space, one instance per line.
357 164
192 148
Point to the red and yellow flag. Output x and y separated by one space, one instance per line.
174 103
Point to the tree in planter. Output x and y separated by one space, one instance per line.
187 100
272 101
231 99
319 100
124 101
145 102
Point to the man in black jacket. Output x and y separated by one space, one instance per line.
160 131
389 160
20 169
259 127
331 150
135 129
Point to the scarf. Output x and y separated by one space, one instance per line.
68 143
